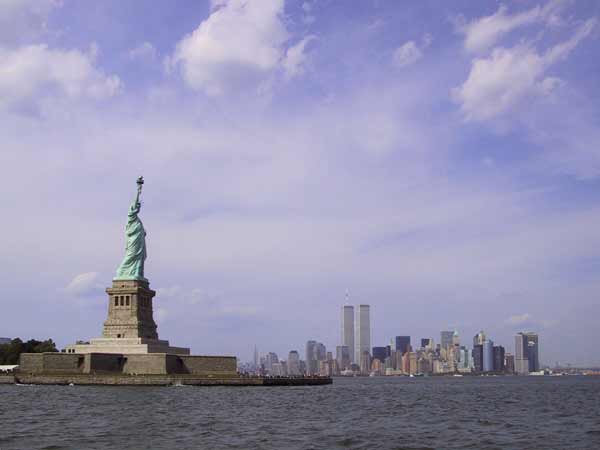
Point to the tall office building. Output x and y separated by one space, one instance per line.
488 356
312 366
478 338
521 354
425 342
321 352
533 351
403 344
362 340
456 338
498 358
342 355
380 353
446 338
478 357
293 363
348 329
509 363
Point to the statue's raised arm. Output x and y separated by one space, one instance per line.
132 266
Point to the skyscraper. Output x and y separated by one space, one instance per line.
488 356
293 363
380 353
478 338
311 358
363 331
478 358
403 344
342 355
521 354
348 329
446 338
498 358
533 351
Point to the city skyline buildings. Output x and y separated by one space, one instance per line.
348 329
363 331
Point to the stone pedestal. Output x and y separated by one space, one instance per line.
129 327
130 313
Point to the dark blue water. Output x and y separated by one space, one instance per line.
359 413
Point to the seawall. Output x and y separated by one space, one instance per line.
165 380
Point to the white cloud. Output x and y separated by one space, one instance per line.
34 72
527 320
407 54
410 52
83 284
241 41
484 32
519 319
509 76
295 58
143 52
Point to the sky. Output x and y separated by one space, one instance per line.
439 161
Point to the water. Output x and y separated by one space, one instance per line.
360 413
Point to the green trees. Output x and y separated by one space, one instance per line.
9 353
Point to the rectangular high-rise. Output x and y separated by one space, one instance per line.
363 331
533 351
348 329
521 354
446 338
403 344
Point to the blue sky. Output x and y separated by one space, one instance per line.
437 160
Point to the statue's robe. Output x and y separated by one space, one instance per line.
132 266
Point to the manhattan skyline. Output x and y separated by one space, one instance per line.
437 161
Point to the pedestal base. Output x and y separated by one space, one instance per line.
127 345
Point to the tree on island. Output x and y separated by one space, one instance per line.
9 353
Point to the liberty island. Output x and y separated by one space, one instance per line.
129 350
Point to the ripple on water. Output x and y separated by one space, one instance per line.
359 413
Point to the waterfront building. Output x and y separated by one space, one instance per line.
533 351
325 368
397 360
278 369
365 363
377 367
388 363
311 357
412 361
498 358
478 358
479 338
342 355
348 329
362 338
488 356
321 351
446 338
380 353
293 363
521 354
403 344
270 359
456 339
405 366
509 363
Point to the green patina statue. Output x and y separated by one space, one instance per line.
132 266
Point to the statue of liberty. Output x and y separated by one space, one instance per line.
132 266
